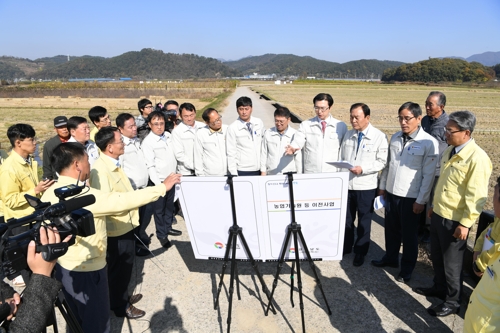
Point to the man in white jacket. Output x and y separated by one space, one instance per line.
365 147
210 146
244 141
273 159
406 183
320 137
183 136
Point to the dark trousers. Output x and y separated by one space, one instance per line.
248 173
145 215
401 224
88 298
164 214
120 257
360 201
447 257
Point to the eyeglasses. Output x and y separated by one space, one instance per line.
35 139
447 130
407 119
279 122
119 142
321 108
216 121
158 124
148 107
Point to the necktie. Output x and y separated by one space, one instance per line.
323 126
452 152
360 137
249 126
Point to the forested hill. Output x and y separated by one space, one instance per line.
440 70
144 64
289 64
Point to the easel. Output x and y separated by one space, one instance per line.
234 232
295 229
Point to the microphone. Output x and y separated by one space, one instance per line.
69 205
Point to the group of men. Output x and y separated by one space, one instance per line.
131 169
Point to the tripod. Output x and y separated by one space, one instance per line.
234 232
295 230
69 317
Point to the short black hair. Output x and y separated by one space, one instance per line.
186 106
171 102
156 114
20 132
64 154
122 118
282 111
363 106
142 104
206 114
243 101
75 121
323 97
96 113
105 136
414 108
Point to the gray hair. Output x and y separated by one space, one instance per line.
442 97
465 120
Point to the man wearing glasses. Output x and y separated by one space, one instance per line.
158 151
319 138
210 157
100 118
406 184
463 188
273 159
244 141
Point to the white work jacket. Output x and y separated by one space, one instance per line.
371 156
410 169
273 160
243 149
210 157
183 138
159 156
318 148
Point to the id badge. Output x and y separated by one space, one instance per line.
491 272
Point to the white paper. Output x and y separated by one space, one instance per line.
379 202
488 241
342 164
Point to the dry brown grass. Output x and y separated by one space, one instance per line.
385 100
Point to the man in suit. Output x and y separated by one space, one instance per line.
406 183
463 187
319 138
244 141
365 147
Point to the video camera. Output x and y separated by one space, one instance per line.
67 216
170 117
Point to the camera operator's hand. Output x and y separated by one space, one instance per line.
37 264
43 185
171 180
13 302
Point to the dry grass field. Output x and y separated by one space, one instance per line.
385 100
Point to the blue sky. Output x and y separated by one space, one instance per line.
332 30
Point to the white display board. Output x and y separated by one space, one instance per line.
263 212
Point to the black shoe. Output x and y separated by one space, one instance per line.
165 242
133 313
141 252
174 232
443 310
430 292
401 279
383 263
359 259
135 298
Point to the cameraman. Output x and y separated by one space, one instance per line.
41 292
145 108
82 270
